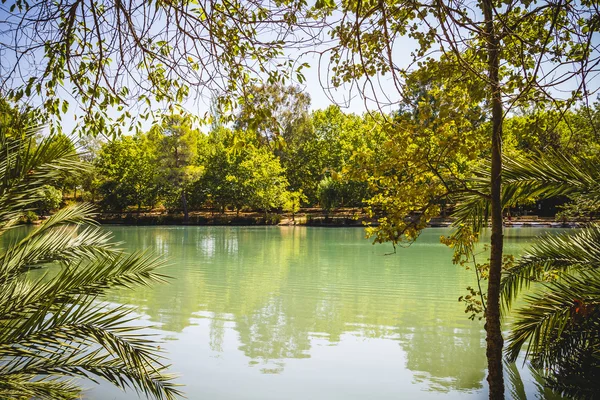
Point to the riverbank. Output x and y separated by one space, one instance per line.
307 217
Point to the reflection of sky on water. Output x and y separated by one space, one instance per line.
272 313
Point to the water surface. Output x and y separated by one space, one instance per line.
312 313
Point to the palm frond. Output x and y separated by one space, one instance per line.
62 333
53 330
92 365
27 165
550 257
559 323
22 297
523 178
59 245
80 213
550 175
56 327
26 387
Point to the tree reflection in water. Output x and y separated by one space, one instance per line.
283 291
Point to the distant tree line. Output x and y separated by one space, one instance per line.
291 157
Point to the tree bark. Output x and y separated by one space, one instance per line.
493 330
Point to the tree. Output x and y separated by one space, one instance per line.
328 194
573 132
238 171
53 327
266 182
539 46
176 146
274 112
15 120
279 116
423 152
90 180
222 179
50 199
129 173
342 139
292 202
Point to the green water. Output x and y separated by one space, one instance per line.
312 313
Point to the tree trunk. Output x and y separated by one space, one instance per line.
185 207
493 330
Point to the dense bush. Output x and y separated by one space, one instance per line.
50 199
29 217
329 194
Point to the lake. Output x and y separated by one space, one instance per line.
313 313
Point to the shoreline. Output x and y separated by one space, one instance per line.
338 219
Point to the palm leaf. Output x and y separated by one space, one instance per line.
26 387
551 257
523 178
559 321
57 327
27 165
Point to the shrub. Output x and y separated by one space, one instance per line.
50 199
29 217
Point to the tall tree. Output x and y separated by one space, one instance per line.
128 171
279 116
266 182
222 179
341 137
432 143
273 111
176 146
